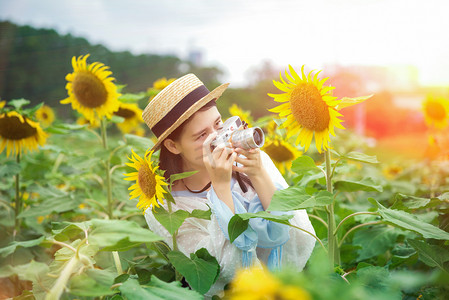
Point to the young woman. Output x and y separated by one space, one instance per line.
185 119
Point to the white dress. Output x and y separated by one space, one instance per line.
195 234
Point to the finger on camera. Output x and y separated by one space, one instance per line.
208 141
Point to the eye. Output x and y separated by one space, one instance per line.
201 135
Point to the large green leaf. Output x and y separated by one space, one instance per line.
294 198
171 221
92 283
367 185
410 222
54 201
374 241
361 157
119 235
200 270
15 244
303 164
201 214
64 231
239 222
411 202
431 255
157 290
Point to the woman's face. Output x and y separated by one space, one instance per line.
190 143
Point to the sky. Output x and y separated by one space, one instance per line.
238 35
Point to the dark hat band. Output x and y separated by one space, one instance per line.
170 118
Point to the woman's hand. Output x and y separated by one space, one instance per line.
261 180
252 164
218 164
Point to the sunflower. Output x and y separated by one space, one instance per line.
19 134
244 115
149 185
91 90
158 86
257 283
95 123
132 115
45 115
2 104
436 112
310 108
281 152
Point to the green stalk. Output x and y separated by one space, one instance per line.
59 286
334 253
178 276
18 202
104 138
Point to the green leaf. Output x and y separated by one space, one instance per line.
411 203
180 176
200 270
18 103
64 231
15 244
303 164
59 202
367 185
131 98
431 255
117 119
239 222
119 235
374 241
171 221
9 169
141 142
64 128
294 198
236 227
29 271
201 214
93 283
157 290
410 222
361 157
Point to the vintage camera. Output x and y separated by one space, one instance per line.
236 134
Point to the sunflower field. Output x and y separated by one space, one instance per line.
73 197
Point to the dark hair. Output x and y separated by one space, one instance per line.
172 163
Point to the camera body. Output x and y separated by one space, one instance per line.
235 134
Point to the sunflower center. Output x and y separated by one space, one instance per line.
147 181
44 116
12 129
435 110
308 107
279 153
89 90
125 113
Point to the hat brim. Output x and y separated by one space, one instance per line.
215 94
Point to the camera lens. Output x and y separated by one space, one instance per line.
258 137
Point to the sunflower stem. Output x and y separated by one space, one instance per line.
334 254
178 276
108 167
18 201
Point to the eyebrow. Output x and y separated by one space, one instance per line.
199 132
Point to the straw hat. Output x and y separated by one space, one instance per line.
176 103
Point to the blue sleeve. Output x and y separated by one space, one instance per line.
270 234
248 239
